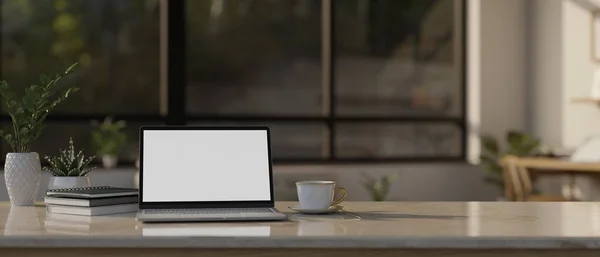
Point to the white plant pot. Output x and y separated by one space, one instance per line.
22 174
68 182
109 161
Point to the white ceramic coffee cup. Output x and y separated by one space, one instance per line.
319 194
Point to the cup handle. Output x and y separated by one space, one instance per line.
336 202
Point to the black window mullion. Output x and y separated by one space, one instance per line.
1 74
176 61
464 79
332 92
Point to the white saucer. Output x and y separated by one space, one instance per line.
331 209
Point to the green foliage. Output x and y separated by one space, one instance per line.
117 63
68 163
29 113
379 188
518 144
109 138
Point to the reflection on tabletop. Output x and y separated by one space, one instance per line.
298 225
301 228
312 228
23 220
210 230
65 224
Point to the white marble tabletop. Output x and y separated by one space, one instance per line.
367 225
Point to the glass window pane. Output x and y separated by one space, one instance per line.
398 57
291 141
254 57
393 140
116 43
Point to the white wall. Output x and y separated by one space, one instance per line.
580 119
503 59
545 66
561 71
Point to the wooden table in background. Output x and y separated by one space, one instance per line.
371 229
558 166
553 165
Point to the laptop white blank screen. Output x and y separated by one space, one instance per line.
205 166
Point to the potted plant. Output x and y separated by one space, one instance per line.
517 143
69 169
22 169
109 139
379 188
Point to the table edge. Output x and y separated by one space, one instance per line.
307 242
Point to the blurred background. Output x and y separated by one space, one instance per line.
353 90
389 87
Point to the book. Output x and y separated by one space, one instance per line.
91 202
91 192
93 211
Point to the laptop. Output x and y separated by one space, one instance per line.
193 174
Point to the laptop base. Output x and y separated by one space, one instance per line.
176 215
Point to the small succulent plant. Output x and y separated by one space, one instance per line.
69 163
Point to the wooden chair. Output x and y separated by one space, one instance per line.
518 183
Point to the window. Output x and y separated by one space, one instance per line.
115 42
117 46
254 58
351 80
398 73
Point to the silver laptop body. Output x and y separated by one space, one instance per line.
200 173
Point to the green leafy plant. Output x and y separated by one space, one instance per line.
109 138
29 113
517 143
379 188
69 163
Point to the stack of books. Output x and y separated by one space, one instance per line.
91 201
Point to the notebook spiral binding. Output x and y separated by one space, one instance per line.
76 188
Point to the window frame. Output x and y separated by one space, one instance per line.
173 105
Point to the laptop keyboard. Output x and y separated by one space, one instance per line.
207 211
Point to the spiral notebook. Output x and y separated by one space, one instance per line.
91 192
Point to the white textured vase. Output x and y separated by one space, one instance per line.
22 174
68 182
109 161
